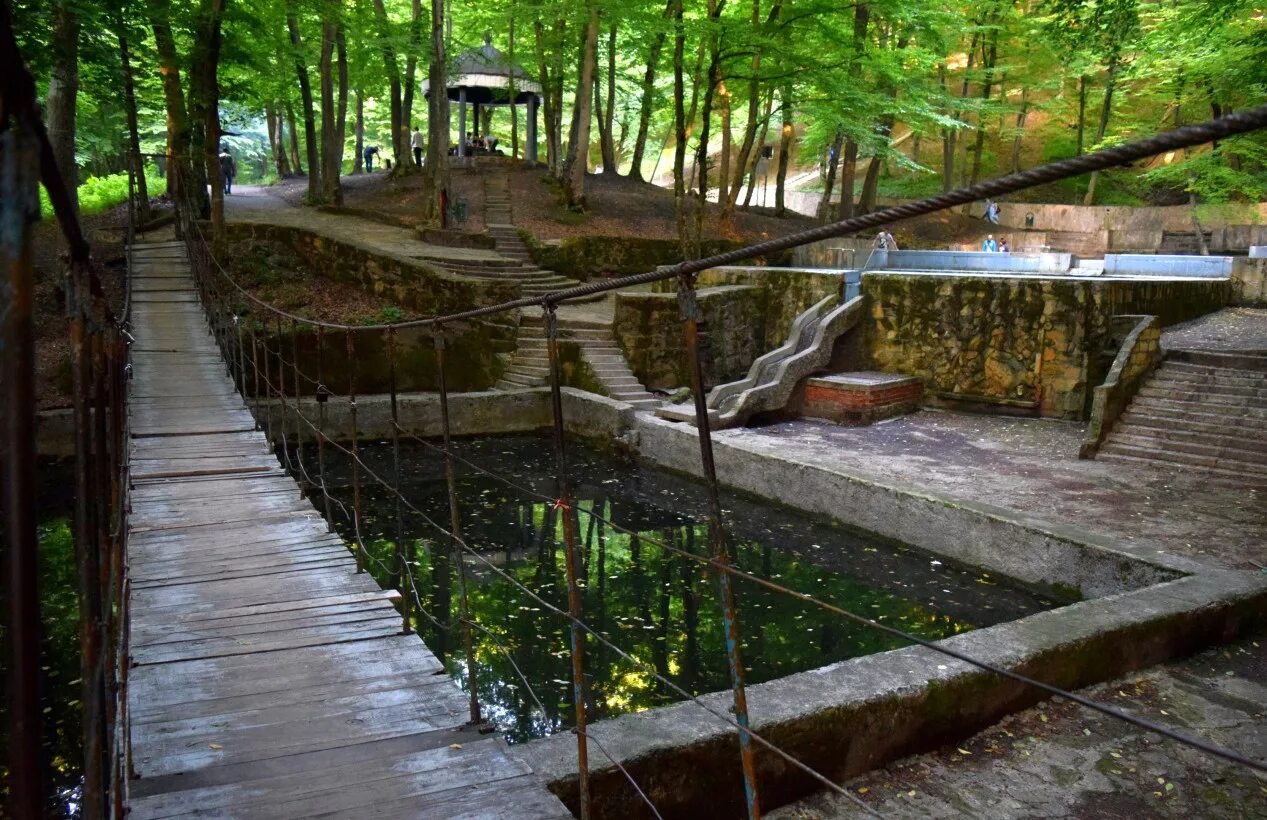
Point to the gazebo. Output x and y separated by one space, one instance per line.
483 77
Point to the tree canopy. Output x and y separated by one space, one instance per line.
709 97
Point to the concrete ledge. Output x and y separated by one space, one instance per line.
852 716
971 261
1142 264
1136 359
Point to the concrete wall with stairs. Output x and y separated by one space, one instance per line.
530 365
1203 412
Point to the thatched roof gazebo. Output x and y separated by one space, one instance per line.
483 77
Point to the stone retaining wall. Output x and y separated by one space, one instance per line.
591 257
648 327
403 279
1139 354
1022 343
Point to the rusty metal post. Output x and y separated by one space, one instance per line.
356 462
567 507
322 395
302 476
285 409
268 391
19 209
455 530
718 547
255 370
237 324
402 554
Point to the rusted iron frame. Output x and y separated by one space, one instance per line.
566 505
356 461
455 529
19 209
402 559
322 394
718 545
287 462
102 470
305 480
237 328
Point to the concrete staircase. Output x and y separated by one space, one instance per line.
530 365
773 377
1200 412
497 200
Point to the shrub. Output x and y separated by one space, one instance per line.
99 194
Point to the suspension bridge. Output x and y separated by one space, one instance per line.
270 678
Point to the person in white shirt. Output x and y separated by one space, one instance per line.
416 143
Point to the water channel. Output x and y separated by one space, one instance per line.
655 604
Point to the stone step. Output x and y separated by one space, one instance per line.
1135 456
1193 421
1205 460
1208 408
1255 459
1164 425
1186 370
1187 391
603 358
1200 380
1251 361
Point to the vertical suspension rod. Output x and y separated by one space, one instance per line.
718 547
403 571
322 395
566 505
356 463
455 528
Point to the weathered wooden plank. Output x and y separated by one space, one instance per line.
271 678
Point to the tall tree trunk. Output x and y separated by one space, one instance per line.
600 117
648 97
435 171
760 147
711 85
63 90
991 57
134 134
679 123
292 127
947 141
1082 114
607 130
578 149
754 102
1020 130
184 184
824 205
848 179
514 88
400 145
1106 110
723 165
205 101
407 96
274 135
305 94
785 150
358 130
871 182
552 98
325 74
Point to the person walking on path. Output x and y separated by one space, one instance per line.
228 169
1003 246
992 212
989 245
416 143
369 153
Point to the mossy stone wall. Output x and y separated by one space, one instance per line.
404 280
649 328
591 257
1023 343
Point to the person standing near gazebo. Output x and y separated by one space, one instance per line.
416 143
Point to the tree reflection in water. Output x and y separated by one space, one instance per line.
658 606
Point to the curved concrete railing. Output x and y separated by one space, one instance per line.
772 378
723 396
1135 361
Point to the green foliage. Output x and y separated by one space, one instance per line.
100 194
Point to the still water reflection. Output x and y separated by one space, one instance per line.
659 607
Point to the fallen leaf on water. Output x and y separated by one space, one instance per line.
455 745
863 790
215 745
964 752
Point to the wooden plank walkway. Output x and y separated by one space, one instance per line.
271 680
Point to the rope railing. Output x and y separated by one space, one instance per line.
224 298
99 341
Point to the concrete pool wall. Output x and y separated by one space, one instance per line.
1140 608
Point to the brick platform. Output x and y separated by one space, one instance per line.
861 398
